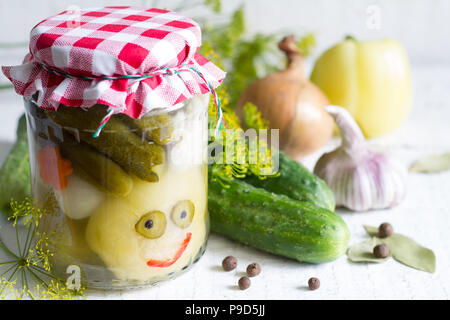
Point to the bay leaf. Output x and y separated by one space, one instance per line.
363 252
372 231
432 163
407 251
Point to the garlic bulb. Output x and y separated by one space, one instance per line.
360 178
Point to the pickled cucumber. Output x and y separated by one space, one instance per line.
101 169
135 155
157 128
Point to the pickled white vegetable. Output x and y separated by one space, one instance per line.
111 231
80 198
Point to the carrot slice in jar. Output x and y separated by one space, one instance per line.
54 169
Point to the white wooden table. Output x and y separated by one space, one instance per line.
424 215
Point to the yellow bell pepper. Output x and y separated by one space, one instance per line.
370 79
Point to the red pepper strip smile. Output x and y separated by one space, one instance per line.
168 263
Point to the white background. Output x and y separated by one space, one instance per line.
423 27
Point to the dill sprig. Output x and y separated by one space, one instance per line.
245 59
244 162
28 270
253 118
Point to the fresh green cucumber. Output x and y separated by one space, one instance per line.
275 223
298 183
15 171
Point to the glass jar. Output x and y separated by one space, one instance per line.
130 206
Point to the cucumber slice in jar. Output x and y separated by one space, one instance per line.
183 213
152 225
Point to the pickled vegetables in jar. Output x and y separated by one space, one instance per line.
118 145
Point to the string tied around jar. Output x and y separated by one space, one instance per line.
220 121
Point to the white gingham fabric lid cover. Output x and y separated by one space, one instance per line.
115 42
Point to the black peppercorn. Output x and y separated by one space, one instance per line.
244 283
381 251
229 263
313 283
385 230
253 269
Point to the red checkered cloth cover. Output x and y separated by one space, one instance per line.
86 58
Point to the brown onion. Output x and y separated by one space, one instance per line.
291 103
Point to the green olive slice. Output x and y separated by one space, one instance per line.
152 224
183 213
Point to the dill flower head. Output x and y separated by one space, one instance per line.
27 270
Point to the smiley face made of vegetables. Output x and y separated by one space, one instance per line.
155 230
